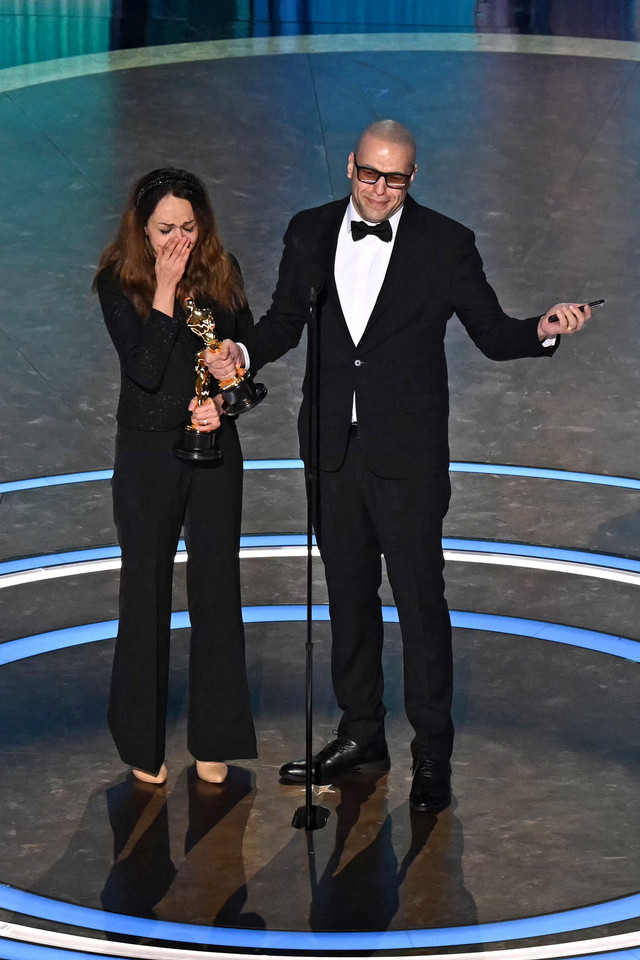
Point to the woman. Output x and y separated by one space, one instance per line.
167 250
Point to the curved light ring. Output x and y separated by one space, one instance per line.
604 947
495 469
624 647
567 921
34 483
545 473
26 75
63 478
262 546
614 911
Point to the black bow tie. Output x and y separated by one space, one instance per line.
383 230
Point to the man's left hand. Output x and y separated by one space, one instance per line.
571 317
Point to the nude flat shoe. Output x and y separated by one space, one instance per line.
159 778
212 772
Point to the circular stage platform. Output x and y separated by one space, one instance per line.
536 856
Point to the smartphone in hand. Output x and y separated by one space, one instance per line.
594 303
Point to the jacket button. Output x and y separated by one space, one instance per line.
358 363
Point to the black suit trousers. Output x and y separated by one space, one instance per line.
154 494
361 516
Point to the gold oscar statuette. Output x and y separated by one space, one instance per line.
240 393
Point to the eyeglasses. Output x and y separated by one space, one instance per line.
395 181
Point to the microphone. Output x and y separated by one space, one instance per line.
316 283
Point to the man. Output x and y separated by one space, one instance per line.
390 274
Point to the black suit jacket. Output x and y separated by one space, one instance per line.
435 271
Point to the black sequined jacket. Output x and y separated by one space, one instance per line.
157 356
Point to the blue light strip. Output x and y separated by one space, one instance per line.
542 473
24 647
59 559
495 469
55 481
274 540
273 464
624 647
567 921
299 540
614 911
36 482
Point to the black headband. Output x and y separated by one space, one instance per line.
184 178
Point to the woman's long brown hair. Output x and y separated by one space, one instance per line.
210 273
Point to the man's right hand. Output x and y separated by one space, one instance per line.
223 363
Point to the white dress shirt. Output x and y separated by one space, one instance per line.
359 270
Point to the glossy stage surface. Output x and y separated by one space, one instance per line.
526 117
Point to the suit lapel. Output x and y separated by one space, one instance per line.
328 243
405 260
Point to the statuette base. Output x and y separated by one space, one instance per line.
197 446
245 396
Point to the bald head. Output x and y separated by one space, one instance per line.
385 147
388 131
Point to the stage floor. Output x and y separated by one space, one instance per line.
533 142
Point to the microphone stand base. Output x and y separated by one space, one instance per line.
314 818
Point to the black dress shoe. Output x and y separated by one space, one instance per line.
431 787
338 758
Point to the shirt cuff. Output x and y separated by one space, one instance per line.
247 358
549 342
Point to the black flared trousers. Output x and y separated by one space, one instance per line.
154 495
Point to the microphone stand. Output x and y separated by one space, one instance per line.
311 817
